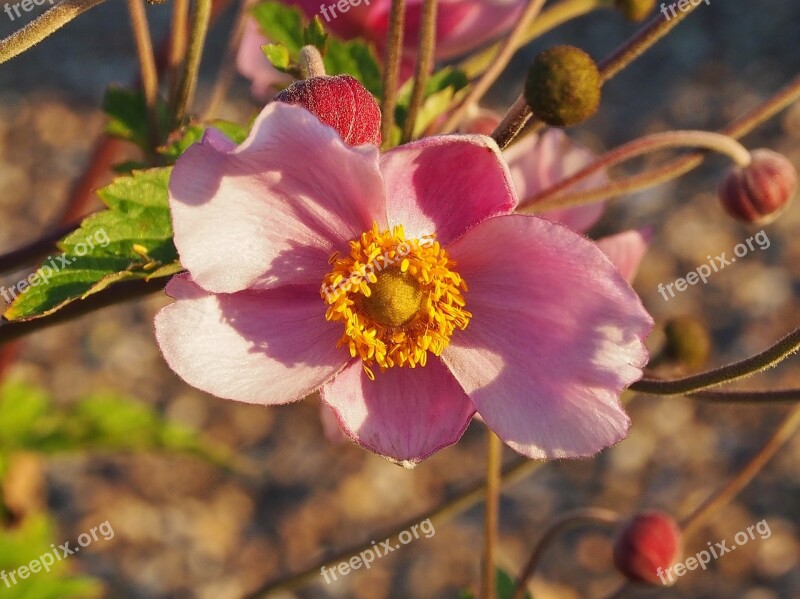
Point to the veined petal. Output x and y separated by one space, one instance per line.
556 334
445 185
264 347
405 414
272 211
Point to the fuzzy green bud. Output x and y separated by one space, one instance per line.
563 86
635 10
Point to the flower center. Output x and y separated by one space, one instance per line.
398 298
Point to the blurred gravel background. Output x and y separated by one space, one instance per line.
187 530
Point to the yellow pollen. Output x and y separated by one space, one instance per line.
397 298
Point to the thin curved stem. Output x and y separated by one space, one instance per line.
556 528
147 68
710 140
42 27
424 66
731 397
27 254
550 18
727 492
494 455
732 372
391 68
499 63
201 16
227 69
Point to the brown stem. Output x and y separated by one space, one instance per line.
391 68
227 69
494 459
147 68
201 16
779 395
424 66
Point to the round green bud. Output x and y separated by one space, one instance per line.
635 10
563 86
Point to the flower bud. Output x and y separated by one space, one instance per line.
563 86
635 10
687 341
647 546
340 102
759 191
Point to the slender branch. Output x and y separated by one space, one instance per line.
147 67
723 144
782 99
499 64
732 372
513 123
494 459
727 492
227 69
27 254
551 17
731 397
43 26
425 60
391 67
179 35
553 531
438 516
201 15
635 46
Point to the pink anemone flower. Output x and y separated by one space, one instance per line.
399 285
461 26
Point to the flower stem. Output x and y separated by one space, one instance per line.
731 397
227 69
391 68
727 492
42 27
550 18
556 528
425 60
635 46
147 68
732 372
27 254
718 142
311 63
201 15
494 460
499 63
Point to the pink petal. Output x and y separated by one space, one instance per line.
446 185
252 64
556 334
272 211
540 161
405 414
626 250
266 347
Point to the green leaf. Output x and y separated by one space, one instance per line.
315 35
102 421
354 58
280 24
127 112
505 585
130 240
442 89
194 132
278 56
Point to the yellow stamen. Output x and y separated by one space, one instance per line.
397 298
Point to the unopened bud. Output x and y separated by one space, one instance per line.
340 102
647 546
563 86
759 191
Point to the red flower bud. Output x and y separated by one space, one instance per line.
340 102
758 192
647 546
